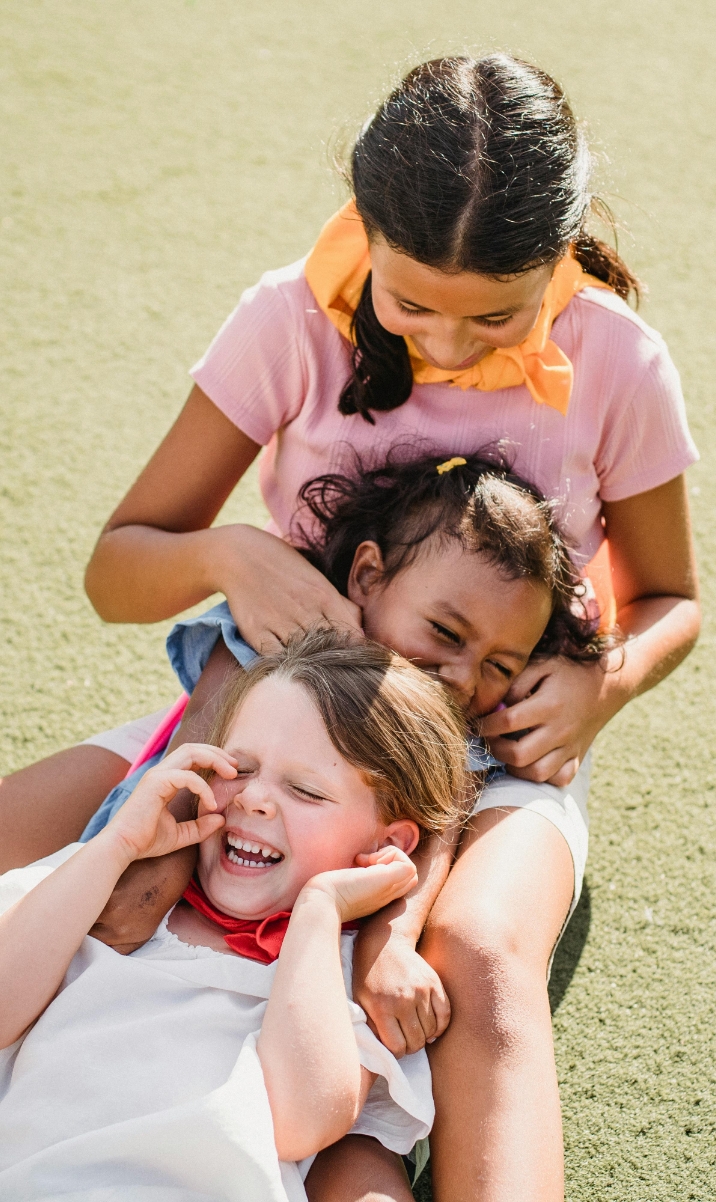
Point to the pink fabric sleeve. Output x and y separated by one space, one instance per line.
647 441
253 369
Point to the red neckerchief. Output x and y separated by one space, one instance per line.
256 939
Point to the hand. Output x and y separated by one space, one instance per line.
563 705
144 825
380 878
273 591
401 994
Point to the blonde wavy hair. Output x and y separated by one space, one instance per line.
396 725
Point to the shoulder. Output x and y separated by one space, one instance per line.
16 883
602 318
284 288
616 356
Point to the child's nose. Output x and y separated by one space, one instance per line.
460 679
257 798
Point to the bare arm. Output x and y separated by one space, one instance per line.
314 1079
40 934
565 705
399 991
157 554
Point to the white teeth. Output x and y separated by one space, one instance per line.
255 848
231 855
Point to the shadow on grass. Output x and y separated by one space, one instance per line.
569 951
566 959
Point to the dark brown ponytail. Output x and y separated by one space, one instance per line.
469 165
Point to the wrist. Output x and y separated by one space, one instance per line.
394 923
619 687
114 849
317 904
215 551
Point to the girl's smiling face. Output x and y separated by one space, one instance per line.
454 319
296 808
453 614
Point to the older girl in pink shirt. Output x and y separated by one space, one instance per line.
458 301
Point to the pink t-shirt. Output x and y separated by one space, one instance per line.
277 366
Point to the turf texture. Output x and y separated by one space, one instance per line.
155 159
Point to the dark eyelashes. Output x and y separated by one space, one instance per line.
445 633
492 325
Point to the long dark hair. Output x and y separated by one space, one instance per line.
469 165
481 503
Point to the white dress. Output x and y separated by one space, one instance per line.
141 1079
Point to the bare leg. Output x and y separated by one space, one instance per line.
48 804
358 1169
498 1132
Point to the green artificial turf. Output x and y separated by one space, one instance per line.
156 157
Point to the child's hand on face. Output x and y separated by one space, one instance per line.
145 826
379 878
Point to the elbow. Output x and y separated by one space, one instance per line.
298 1135
96 583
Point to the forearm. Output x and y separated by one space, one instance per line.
142 897
660 632
307 1046
406 917
143 574
41 933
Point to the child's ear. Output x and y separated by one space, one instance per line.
404 834
366 572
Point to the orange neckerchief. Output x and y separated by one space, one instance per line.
336 271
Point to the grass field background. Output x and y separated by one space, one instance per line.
156 158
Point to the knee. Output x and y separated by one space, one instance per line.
497 989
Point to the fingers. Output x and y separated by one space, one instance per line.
566 774
267 642
389 1031
548 769
169 782
441 1011
384 855
523 715
197 830
413 1031
201 755
412 1022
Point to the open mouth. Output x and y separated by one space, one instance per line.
247 853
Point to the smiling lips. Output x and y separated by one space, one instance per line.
247 854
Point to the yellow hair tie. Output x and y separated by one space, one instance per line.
449 464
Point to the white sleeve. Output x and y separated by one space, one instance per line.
19 881
399 1109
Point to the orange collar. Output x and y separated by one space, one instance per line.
336 271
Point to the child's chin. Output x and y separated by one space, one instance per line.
242 898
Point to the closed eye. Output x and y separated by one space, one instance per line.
307 794
493 325
507 672
445 633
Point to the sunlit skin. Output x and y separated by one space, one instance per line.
454 319
454 615
294 794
